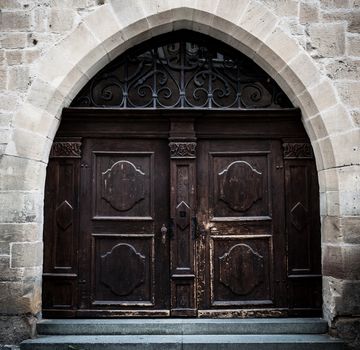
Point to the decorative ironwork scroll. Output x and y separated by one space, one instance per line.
297 150
182 70
182 149
66 150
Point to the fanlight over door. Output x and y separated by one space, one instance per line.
181 183
183 70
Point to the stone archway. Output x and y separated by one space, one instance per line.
249 27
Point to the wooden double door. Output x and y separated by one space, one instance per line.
181 216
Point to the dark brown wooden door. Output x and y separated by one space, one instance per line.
241 225
186 215
124 260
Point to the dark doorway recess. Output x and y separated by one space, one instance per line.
181 182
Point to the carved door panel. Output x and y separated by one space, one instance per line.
124 262
241 248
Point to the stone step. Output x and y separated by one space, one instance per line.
181 326
183 342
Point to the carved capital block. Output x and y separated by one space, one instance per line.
65 149
295 150
182 149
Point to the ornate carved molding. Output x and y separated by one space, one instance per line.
66 149
182 149
295 150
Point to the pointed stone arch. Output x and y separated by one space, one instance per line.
248 26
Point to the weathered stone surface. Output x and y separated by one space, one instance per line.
5 120
284 7
331 229
340 297
298 83
10 4
61 20
13 40
353 45
328 39
18 20
35 120
336 119
21 297
341 229
25 232
342 261
103 24
18 78
355 114
348 329
14 329
128 12
278 49
26 254
335 4
4 248
3 78
350 93
8 274
39 13
317 98
255 14
346 150
350 228
351 17
13 57
10 101
231 10
309 12
20 207
344 69
349 304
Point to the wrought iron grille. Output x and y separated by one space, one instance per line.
183 70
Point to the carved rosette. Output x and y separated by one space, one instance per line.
298 150
182 149
66 149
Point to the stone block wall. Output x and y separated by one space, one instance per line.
311 47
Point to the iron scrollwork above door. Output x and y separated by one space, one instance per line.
182 70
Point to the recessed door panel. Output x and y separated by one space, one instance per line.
124 269
240 270
239 185
124 185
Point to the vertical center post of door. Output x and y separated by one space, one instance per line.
182 143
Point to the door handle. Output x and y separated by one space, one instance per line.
164 231
167 231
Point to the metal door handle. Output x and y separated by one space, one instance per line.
164 231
